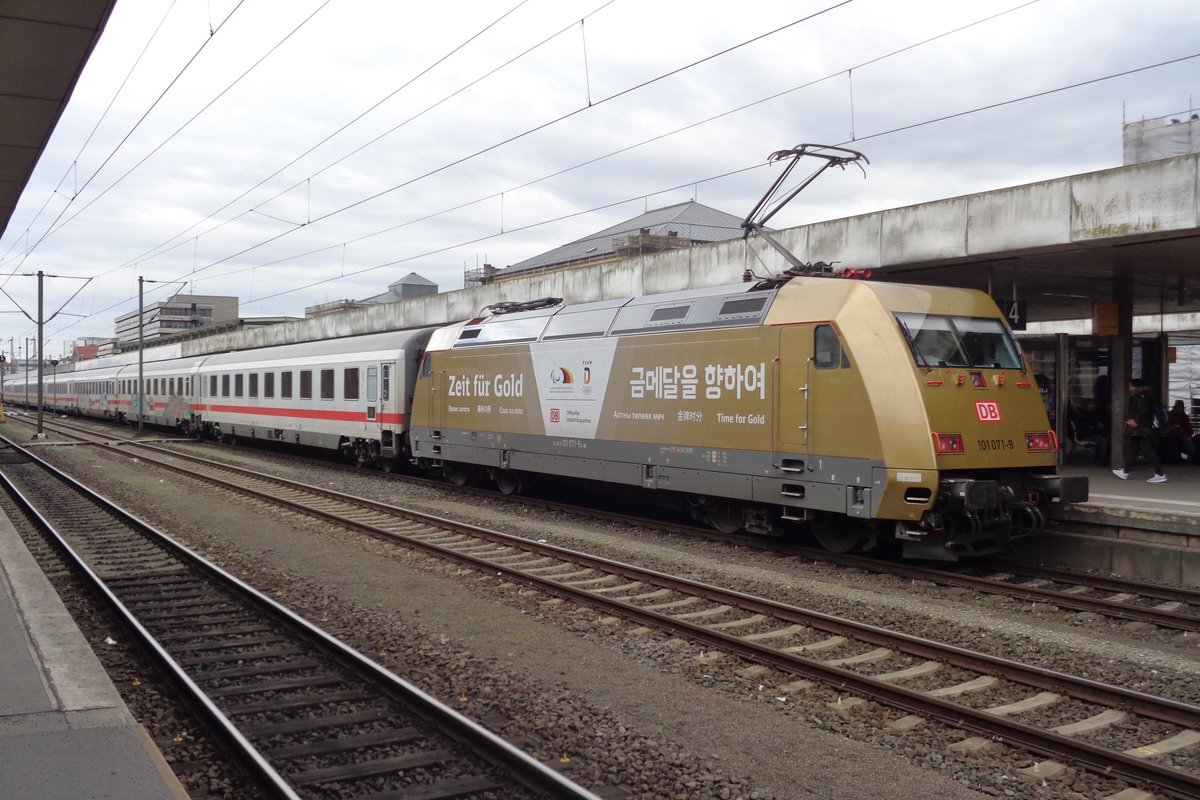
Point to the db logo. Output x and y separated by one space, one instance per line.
554 415
988 411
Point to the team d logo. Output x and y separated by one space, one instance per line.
988 410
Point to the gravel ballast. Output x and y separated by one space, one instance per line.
654 715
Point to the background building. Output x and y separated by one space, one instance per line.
410 286
179 313
669 228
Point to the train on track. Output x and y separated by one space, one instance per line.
866 412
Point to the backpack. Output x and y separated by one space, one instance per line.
1159 423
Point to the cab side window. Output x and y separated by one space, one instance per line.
827 350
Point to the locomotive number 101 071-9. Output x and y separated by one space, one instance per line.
995 444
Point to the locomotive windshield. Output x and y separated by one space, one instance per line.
940 341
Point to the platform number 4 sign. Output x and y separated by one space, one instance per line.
1016 312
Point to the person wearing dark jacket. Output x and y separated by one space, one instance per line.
1139 429
1179 425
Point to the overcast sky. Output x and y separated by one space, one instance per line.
309 151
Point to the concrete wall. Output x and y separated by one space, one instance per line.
1151 198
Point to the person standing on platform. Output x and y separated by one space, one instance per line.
1180 427
1139 430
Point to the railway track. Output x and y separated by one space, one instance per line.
1170 607
305 715
1114 731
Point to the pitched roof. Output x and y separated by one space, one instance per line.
411 285
692 222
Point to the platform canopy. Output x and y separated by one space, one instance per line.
43 48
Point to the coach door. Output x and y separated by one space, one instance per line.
380 410
435 388
792 396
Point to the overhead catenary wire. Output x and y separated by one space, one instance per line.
495 235
464 243
51 229
615 95
860 137
187 123
157 249
542 126
74 168
628 148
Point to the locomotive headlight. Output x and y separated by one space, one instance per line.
1041 441
945 444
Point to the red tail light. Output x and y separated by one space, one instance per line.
1041 441
864 273
948 444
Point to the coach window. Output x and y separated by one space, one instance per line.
349 384
239 384
372 384
224 386
285 385
327 384
254 384
212 385
268 384
827 350
306 384
387 383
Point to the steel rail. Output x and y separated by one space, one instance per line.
261 772
1164 618
1112 608
1164 709
1102 760
527 770
1178 594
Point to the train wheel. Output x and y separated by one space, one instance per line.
388 465
725 516
834 533
508 481
457 474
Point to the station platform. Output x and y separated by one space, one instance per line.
65 733
1148 531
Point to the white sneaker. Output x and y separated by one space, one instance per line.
1157 479
1122 474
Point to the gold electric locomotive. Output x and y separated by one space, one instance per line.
864 410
